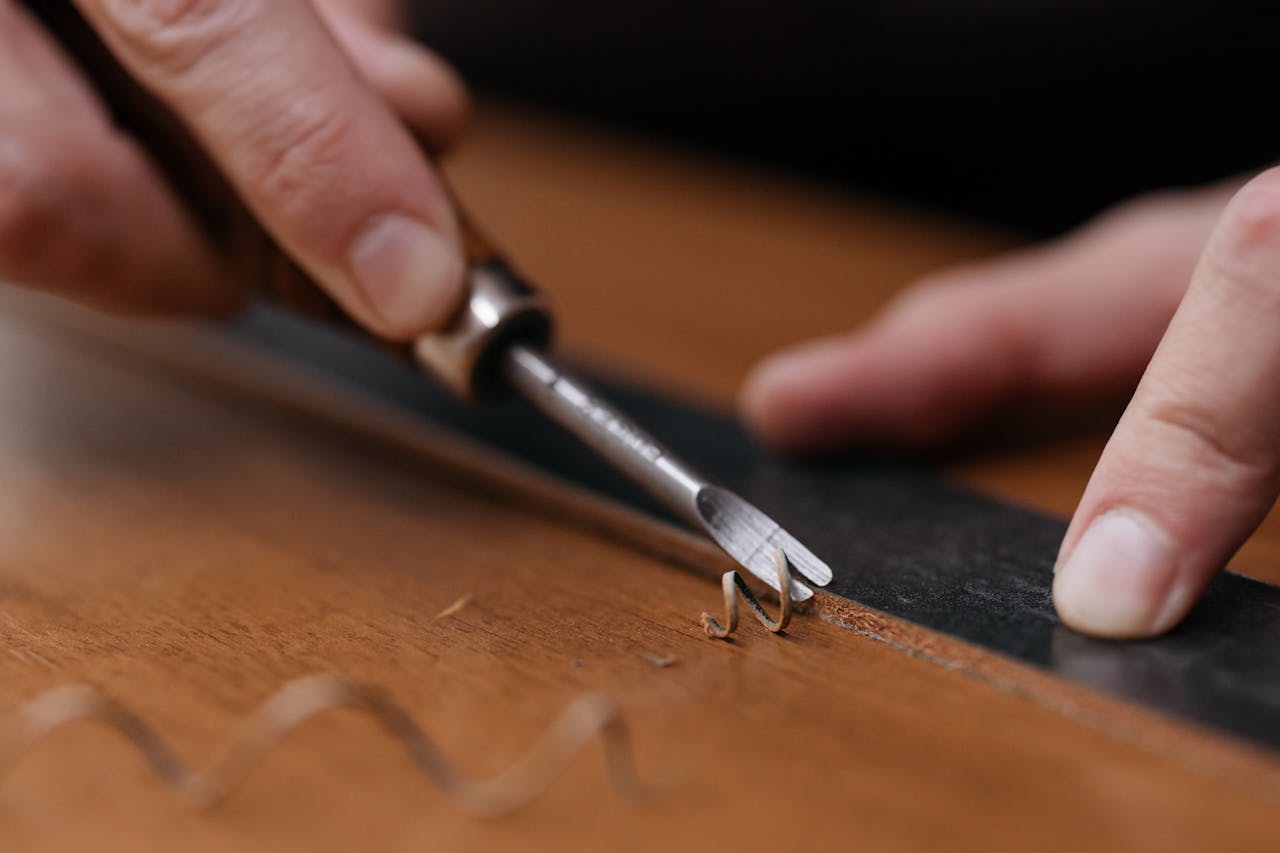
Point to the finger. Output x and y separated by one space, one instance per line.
36 77
386 14
422 88
83 212
1080 316
321 160
1194 464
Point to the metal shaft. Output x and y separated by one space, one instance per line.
622 442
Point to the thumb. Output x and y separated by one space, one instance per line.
1194 464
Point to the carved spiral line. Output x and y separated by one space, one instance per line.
298 701
733 586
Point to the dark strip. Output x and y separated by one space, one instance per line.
899 539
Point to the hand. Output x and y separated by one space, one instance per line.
1194 463
307 109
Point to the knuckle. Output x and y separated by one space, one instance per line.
300 157
1252 219
1243 257
1203 445
172 35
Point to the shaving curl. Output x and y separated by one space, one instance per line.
300 700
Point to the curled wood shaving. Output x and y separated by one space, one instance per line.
298 701
731 583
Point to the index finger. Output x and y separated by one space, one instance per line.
321 161
1194 464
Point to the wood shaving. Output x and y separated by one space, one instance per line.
733 586
301 699
463 601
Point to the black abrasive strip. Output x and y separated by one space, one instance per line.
900 539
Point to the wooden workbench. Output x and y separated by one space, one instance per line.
189 549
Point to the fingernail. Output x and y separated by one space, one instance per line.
410 276
1121 580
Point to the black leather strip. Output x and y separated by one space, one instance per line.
899 539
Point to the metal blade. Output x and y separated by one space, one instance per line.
751 537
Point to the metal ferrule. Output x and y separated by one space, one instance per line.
501 309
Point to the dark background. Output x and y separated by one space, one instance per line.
1033 113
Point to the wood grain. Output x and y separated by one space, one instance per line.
189 549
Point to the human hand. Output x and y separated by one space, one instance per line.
1192 467
309 107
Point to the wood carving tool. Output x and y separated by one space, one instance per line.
498 340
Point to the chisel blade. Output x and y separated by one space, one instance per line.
751 538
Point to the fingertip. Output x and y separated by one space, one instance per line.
784 398
423 89
1122 579
410 277
885 386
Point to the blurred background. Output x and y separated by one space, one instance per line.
1028 113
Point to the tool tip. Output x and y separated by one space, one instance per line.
751 538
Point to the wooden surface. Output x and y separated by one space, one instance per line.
190 549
